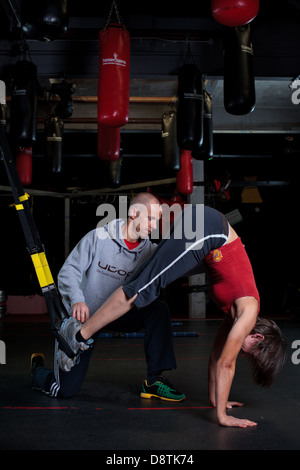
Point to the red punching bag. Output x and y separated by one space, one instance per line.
113 80
24 165
108 143
184 177
234 12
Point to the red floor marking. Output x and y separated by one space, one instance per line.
99 409
173 408
138 358
39 408
118 359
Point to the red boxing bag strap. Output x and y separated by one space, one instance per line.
113 80
234 12
108 143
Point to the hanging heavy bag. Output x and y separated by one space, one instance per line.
170 149
24 165
234 12
184 177
206 151
44 20
239 81
108 146
189 108
113 80
23 104
54 128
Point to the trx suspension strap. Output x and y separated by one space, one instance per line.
35 247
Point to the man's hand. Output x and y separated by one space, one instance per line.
80 312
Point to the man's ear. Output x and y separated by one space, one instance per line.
133 212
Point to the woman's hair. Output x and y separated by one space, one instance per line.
267 356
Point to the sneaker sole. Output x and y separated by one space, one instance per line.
150 395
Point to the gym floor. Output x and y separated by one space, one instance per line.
108 413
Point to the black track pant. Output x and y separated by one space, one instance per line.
158 345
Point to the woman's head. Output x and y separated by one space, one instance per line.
266 351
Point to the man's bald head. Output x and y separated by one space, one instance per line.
144 213
145 199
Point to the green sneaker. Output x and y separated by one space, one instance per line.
161 389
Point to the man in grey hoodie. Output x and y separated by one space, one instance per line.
100 263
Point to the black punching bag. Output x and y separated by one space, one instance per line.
54 128
45 20
206 151
170 149
23 104
239 84
190 107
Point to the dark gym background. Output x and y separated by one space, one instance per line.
260 150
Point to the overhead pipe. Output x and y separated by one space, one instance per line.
132 99
83 120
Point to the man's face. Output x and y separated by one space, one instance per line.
145 219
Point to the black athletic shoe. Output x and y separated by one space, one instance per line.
37 360
161 389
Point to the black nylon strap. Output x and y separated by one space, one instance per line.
56 310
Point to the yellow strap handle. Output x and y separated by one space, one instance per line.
42 269
24 197
20 207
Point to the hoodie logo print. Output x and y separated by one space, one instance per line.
114 269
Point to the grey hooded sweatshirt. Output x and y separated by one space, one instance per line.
99 264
